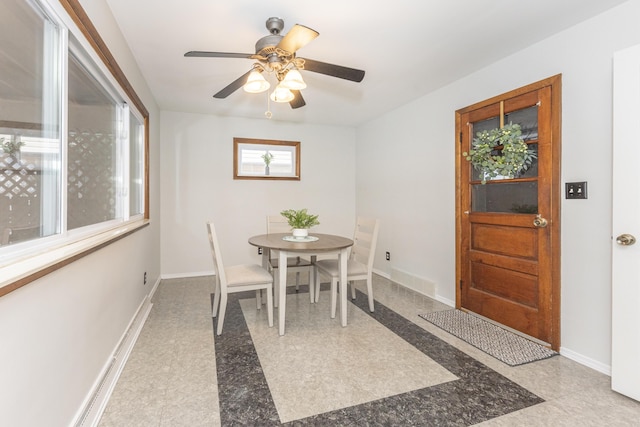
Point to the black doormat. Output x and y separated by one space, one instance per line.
498 342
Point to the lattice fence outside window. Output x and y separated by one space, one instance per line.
20 179
91 187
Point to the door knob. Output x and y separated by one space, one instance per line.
539 221
625 240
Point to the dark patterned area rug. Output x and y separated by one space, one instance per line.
500 343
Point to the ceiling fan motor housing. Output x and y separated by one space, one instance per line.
275 25
267 44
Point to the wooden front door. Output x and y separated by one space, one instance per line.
508 259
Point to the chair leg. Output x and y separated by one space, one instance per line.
370 293
270 306
353 290
334 297
312 284
223 309
216 300
258 303
297 281
316 285
276 287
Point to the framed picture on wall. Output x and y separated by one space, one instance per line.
266 159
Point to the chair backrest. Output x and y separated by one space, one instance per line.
277 224
215 252
364 241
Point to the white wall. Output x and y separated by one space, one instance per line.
197 186
414 196
57 333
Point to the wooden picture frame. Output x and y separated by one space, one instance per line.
266 159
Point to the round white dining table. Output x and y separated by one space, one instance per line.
287 246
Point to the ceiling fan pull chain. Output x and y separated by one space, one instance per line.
267 113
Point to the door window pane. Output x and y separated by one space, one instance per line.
485 125
527 118
509 197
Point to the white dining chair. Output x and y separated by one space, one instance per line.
279 224
237 278
359 264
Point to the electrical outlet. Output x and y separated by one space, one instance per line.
145 278
259 251
388 256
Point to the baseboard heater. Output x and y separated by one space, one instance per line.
96 403
416 283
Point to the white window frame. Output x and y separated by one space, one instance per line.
24 262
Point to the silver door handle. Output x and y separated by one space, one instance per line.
625 240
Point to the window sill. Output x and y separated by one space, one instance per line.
25 271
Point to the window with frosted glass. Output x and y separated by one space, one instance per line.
30 137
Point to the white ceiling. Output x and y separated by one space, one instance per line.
408 48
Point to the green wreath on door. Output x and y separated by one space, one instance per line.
487 158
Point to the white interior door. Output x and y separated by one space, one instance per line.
625 357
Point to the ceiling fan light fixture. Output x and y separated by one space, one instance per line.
293 80
281 94
276 54
256 83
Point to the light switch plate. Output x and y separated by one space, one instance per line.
575 190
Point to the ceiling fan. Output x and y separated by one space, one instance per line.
276 54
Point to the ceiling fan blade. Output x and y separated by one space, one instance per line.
298 100
296 38
201 54
334 70
235 85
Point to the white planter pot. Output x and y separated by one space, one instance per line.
300 232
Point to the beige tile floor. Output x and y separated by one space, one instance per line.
325 363
170 377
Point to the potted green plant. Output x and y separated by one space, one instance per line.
300 221
266 158
11 146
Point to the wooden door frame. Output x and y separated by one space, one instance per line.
555 82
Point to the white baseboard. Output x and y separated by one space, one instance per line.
446 301
185 275
382 274
586 361
154 288
96 401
